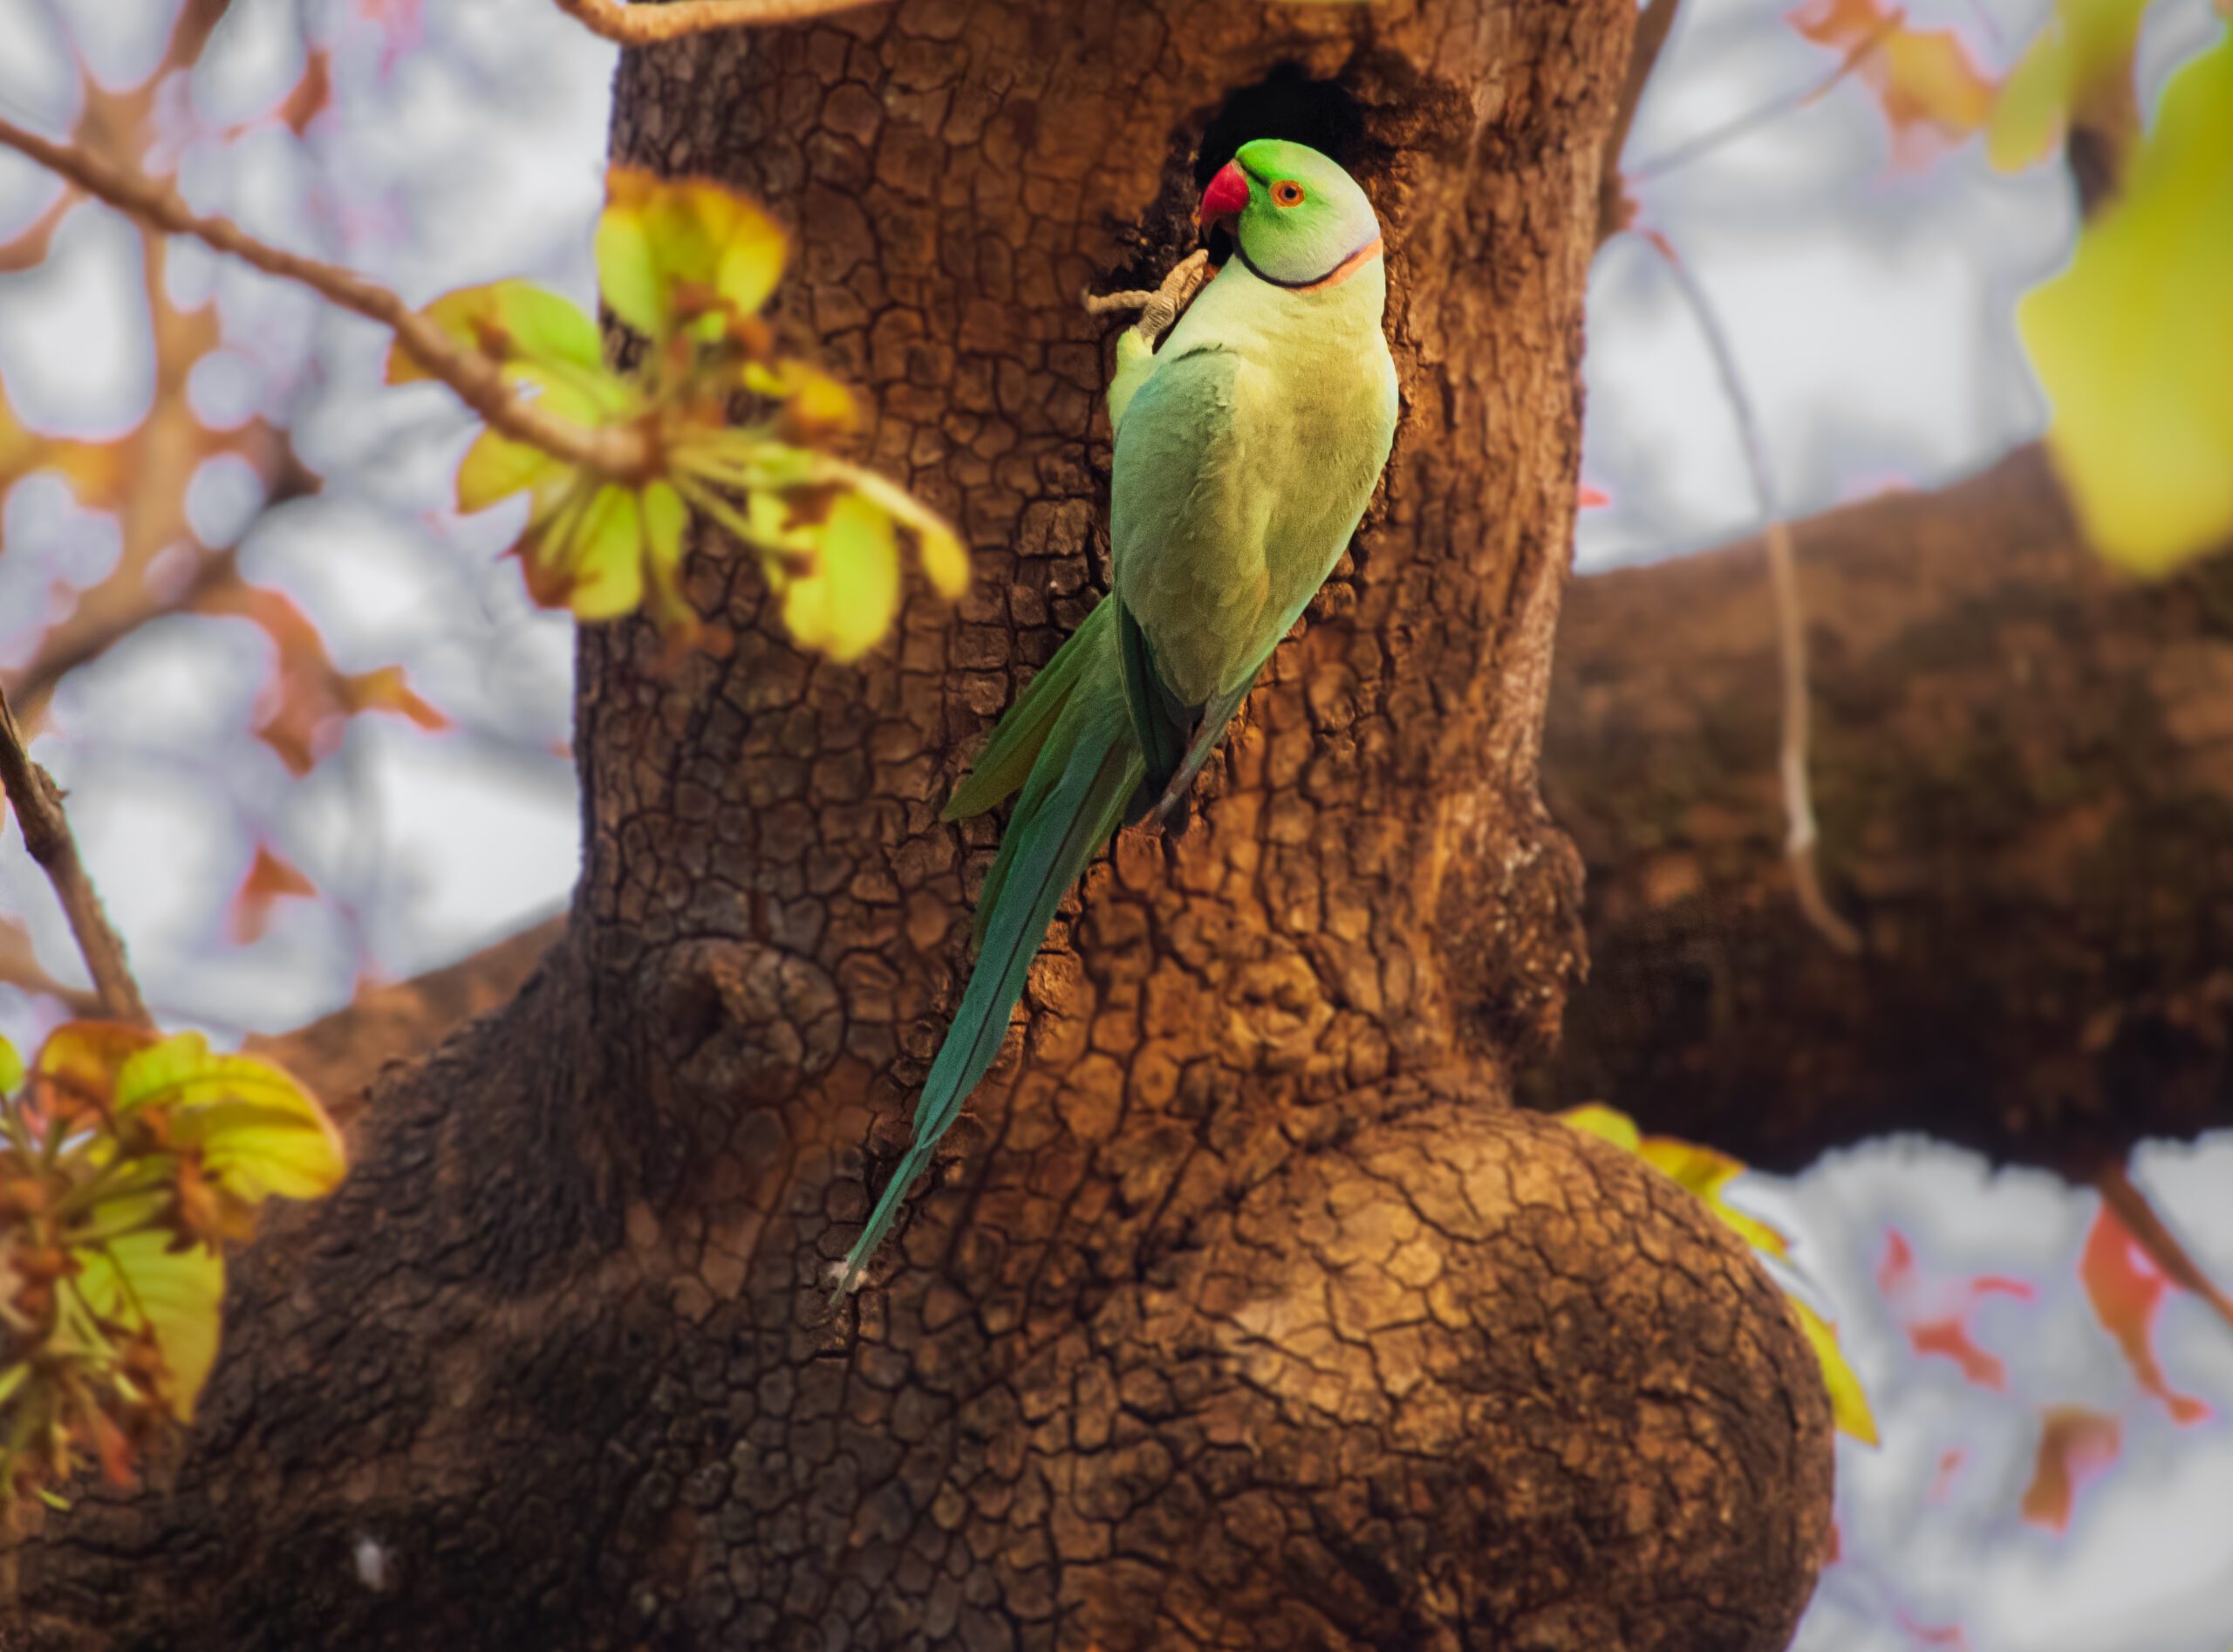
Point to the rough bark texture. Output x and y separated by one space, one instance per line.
1247 1314
2024 767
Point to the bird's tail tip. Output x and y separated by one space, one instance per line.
844 1279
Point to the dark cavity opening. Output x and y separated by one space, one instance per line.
1288 104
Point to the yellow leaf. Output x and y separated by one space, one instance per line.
945 561
605 564
670 249
506 321
774 528
1608 1124
2084 43
2134 342
1932 92
77 1065
1848 1403
12 1069
139 1282
844 606
1705 1173
815 403
665 518
495 467
260 1133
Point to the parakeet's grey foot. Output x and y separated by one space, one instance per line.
1159 309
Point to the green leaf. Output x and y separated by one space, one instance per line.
139 1282
508 321
665 518
79 1062
666 245
12 1069
260 1133
844 606
495 467
608 565
2085 48
2134 341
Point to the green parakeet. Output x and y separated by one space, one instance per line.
1247 448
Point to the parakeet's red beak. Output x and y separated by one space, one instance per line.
1223 200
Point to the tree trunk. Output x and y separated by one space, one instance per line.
1248 1313
2021 768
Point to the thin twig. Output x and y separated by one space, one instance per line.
38 803
35 684
1653 25
620 453
2154 1235
639 25
1791 622
29 977
1713 137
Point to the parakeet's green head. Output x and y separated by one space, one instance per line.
1295 218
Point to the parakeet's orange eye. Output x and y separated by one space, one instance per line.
1286 193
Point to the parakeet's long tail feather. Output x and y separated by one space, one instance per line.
1014 747
1088 767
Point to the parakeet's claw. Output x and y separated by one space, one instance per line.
1176 811
1159 309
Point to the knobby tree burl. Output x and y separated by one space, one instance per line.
1246 1312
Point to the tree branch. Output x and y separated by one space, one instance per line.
2147 1225
2021 765
73 648
46 833
618 453
641 25
1653 25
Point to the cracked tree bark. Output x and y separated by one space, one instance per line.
1248 1313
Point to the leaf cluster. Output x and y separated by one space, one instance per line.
728 425
128 1160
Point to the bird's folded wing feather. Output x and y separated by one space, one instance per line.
1188 525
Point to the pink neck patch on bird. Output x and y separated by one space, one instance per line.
1349 266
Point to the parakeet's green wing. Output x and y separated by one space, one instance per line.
1160 722
1180 506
